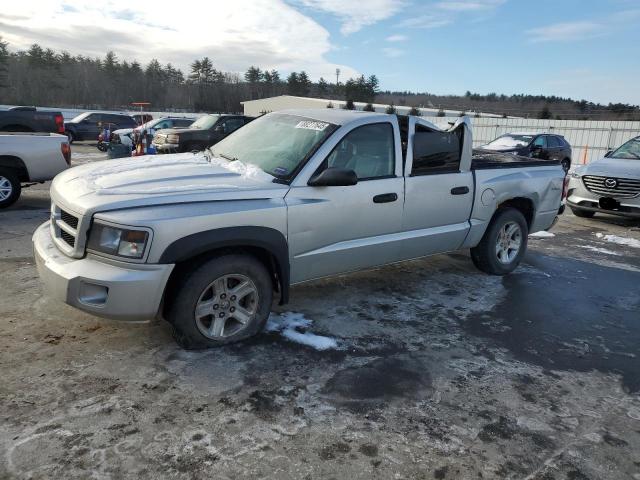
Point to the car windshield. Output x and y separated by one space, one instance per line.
631 149
206 122
79 118
276 143
511 141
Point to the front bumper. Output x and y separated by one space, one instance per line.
581 198
102 287
166 147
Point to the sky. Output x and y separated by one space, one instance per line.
583 49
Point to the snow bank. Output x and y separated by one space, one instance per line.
542 234
599 250
629 242
289 325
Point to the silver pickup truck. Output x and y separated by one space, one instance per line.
30 158
207 239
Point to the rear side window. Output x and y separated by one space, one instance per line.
436 152
554 142
368 150
179 122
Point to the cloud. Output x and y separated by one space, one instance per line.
425 22
235 35
392 52
567 31
355 14
397 38
469 5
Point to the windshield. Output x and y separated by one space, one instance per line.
511 141
205 122
79 118
631 149
276 143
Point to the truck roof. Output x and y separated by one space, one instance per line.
333 115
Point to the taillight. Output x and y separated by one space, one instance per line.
60 123
565 188
65 148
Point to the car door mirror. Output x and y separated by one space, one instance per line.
334 177
219 129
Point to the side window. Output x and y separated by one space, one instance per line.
182 122
554 142
163 124
540 141
94 118
232 124
436 152
368 150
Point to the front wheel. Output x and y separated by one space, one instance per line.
10 187
225 300
504 243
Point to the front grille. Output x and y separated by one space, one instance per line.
159 139
623 187
68 238
69 219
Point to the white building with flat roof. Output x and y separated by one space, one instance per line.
253 108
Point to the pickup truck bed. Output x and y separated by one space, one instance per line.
31 120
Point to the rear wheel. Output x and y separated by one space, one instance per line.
504 243
10 187
225 300
578 212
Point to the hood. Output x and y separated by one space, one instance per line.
612 167
160 180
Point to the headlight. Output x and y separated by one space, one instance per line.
574 175
115 241
173 138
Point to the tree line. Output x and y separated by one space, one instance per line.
42 76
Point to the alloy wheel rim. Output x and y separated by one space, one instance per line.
6 189
226 306
508 243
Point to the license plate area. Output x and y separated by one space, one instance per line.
608 203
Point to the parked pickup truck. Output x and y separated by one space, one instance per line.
29 157
201 134
29 119
206 239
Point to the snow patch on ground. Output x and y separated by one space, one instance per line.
599 250
542 234
290 324
629 242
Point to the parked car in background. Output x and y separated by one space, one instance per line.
544 146
203 133
30 157
125 135
207 240
88 125
142 118
608 185
30 119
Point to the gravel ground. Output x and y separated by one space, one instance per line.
439 372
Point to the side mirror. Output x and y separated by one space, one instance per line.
608 154
219 129
334 177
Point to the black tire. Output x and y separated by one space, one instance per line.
484 255
9 180
578 212
196 282
71 137
103 147
566 165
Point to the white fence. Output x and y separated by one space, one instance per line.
589 139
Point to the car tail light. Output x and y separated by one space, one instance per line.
565 188
65 148
60 123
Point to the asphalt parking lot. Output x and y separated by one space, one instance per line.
439 372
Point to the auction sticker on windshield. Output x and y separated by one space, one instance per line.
306 124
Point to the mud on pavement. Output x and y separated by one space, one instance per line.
439 372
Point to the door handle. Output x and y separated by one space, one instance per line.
460 190
385 198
